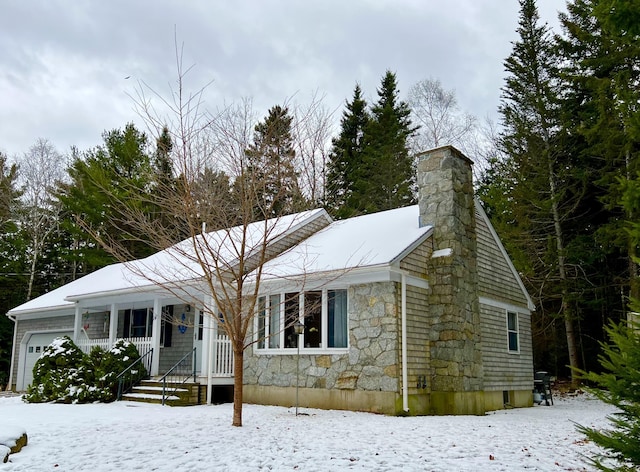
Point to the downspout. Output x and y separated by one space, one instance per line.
405 387
13 350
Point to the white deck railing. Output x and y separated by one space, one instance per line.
223 357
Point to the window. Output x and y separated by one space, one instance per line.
262 319
337 307
138 323
274 321
512 331
323 313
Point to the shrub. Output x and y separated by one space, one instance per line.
64 374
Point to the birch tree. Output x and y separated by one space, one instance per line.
41 168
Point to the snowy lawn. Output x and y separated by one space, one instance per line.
126 436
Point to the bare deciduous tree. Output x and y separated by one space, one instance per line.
437 112
41 168
219 271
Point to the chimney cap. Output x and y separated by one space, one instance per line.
455 151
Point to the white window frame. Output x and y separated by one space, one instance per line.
515 331
263 348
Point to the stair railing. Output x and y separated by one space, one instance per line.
133 374
178 375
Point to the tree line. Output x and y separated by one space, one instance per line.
560 182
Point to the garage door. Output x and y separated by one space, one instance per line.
35 345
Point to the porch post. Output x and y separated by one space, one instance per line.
77 323
113 324
206 336
155 336
212 346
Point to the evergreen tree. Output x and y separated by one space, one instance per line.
271 166
12 282
162 156
618 386
386 178
346 157
544 186
101 179
601 80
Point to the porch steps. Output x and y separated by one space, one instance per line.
150 391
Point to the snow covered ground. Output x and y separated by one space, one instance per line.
127 436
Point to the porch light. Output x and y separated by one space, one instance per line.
298 328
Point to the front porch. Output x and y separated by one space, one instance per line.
169 329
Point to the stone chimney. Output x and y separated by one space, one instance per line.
446 201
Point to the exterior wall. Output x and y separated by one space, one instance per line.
181 343
495 278
96 325
41 324
418 331
504 370
364 378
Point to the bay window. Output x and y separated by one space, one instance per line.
323 313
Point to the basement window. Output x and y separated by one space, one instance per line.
513 332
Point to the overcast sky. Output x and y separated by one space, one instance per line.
68 68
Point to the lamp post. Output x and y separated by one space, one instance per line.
298 328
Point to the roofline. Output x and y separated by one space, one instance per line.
479 207
32 311
417 242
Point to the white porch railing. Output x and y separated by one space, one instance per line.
86 344
142 344
223 357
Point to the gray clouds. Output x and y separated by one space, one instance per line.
63 63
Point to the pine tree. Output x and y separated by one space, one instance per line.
541 183
618 386
386 178
346 156
272 168
601 48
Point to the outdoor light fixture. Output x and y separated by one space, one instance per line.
298 328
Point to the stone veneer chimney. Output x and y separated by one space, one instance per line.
446 201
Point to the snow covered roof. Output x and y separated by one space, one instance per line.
177 263
364 241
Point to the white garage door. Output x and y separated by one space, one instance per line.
35 345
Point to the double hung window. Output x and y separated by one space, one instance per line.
323 313
513 332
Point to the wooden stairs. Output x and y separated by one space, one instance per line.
150 391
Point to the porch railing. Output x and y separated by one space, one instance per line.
183 371
85 344
223 357
132 375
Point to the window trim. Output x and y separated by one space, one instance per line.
263 348
515 331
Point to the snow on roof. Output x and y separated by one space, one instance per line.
364 241
177 263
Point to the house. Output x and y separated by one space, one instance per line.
416 310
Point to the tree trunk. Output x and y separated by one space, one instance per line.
567 312
238 376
